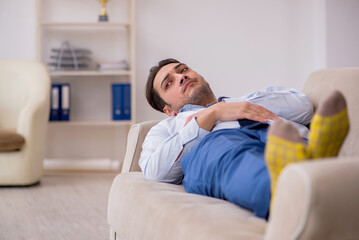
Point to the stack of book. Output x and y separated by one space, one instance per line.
112 66
60 102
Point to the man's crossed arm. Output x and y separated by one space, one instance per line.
222 111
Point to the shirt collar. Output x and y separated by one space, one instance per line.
192 107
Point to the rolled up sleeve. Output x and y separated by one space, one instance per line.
161 149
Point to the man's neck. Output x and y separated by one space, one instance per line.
210 101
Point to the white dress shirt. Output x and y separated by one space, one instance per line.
165 141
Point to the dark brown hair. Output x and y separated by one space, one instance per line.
153 98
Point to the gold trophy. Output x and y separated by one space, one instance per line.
103 14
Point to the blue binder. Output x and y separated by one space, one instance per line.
55 102
121 101
65 102
126 101
116 102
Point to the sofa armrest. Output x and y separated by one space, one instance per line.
317 200
135 138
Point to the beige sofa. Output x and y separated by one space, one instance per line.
315 200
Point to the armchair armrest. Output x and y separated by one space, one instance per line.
34 115
135 138
317 200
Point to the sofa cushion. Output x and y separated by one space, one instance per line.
321 83
10 140
140 209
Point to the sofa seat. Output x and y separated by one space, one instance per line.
167 205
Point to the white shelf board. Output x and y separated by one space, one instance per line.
83 24
91 123
90 73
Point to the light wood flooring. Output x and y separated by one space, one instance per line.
63 206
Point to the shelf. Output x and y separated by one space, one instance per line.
83 24
90 73
91 123
73 145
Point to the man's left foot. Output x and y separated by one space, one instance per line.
284 146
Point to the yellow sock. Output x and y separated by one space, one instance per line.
279 153
327 134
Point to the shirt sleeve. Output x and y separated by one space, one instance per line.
287 103
162 147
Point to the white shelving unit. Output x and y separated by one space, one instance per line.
89 73
91 109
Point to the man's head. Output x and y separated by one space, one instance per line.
172 84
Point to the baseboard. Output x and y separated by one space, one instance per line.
104 164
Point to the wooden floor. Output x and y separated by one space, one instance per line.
62 206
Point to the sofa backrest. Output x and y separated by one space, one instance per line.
24 85
321 83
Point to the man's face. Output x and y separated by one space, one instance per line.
179 85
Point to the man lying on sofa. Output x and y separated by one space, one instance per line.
224 147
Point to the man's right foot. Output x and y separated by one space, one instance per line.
284 146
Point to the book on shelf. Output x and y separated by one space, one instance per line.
65 102
60 102
112 66
55 102
121 101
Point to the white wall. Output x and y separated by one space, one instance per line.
18 29
342 33
237 45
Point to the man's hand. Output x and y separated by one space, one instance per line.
223 111
242 110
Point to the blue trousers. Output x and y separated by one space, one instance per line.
229 164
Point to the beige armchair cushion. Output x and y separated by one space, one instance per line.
10 140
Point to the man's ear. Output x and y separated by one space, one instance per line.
169 111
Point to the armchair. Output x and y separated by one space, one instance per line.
24 109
